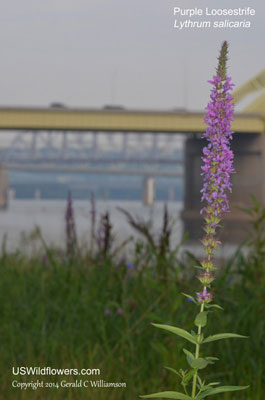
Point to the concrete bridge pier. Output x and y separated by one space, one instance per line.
249 163
3 188
148 191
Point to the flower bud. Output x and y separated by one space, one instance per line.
206 278
208 265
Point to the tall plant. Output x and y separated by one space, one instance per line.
70 231
216 170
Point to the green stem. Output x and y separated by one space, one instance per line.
197 352
185 390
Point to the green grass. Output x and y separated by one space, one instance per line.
55 316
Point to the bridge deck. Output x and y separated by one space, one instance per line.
116 120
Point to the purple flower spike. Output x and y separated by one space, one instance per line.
71 238
217 156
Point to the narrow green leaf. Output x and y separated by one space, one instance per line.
213 306
204 388
201 319
199 379
211 360
189 361
209 386
190 357
189 375
173 370
167 395
188 353
199 363
220 389
177 331
220 336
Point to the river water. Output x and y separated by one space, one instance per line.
22 216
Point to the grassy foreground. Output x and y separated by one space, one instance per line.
98 316
75 310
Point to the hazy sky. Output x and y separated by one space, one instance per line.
90 53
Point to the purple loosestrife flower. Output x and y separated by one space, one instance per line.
204 296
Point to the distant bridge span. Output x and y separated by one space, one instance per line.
90 170
66 119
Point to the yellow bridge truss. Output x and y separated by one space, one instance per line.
116 120
256 84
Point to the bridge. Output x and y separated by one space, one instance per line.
113 120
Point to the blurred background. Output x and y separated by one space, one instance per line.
113 57
101 113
